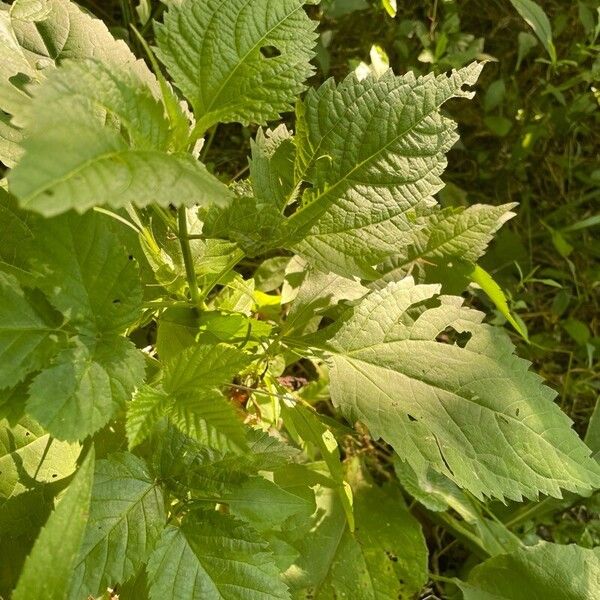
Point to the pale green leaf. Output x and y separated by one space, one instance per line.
30 10
384 559
459 234
10 140
491 424
242 60
126 518
318 292
544 571
533 14
494 292
373 152
307 426
30 458
98 136
254 219
266 505
85 386
48 569
212 556
31 50
27 337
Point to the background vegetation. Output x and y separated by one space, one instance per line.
530 136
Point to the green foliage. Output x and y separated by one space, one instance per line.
266 365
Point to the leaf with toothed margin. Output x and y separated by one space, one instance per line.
99 136
212 556
371 152
423 373
126 518
240 60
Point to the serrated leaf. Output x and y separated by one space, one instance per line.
389 363
126 518
384 559
48 569
147 407
31 50
85 386
87 274
372 152
29 458
27 337
209 418
255 222
212 556
203 366
544 569
450 234
191 398
98 136
244 60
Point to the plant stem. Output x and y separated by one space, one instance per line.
187 256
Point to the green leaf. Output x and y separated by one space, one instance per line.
372 152
87 273
551 571
212 556
27 336
85 386
534 15
147 407
393 360
487 283
254 219
98 136
29 458
266 505
306 425
203 366
49 567
384 559
125 520
243 61
32 50
191 398
30 10
209 418
451 234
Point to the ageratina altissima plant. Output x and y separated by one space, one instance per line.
227 390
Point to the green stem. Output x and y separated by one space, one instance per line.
188 261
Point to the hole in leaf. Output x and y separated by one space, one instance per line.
453 337
130 257
517 412
270 52
54 475
20 81
116 301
